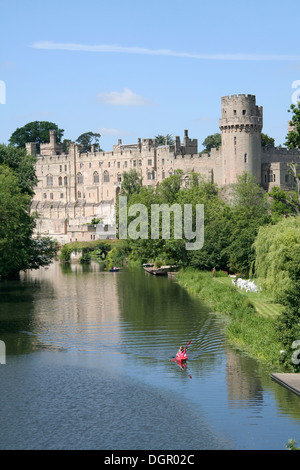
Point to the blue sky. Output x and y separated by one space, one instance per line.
130 69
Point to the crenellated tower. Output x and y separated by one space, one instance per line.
241 126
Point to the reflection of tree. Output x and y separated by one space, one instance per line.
16 316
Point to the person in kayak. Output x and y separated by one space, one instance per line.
181 351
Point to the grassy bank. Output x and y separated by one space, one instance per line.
251 316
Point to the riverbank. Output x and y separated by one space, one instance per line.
249 317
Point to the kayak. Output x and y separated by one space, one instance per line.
181 357
113 270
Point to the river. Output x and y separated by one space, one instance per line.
89 366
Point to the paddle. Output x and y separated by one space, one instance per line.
174 359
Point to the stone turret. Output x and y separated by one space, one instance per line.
241 126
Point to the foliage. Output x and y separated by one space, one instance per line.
163 139
249 211
276 246
88 139
131 183
212 141
266 141
36 131
291 445
18 250
293 136
23 166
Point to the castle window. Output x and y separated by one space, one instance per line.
79 178
49 180
61 195
51 195
287 177
140 162
60 168
270 176
79 194
245 158
45 196
96 177
125 163
118 164
134 163
66 167
150 162
162 161
66 181
149 176
163 175
106 177
119 178
234 112
60 181
244 112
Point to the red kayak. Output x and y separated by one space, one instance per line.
181 357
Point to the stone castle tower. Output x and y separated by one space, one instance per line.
241 126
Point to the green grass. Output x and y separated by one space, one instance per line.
251 316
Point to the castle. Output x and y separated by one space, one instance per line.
76 187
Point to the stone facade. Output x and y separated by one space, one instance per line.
76 187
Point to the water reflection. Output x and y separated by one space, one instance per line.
141 321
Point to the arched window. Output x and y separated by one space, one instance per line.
79 178
59 181
49 180
119 177
66 181
96 177
106 177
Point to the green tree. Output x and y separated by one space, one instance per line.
36 131
162 139
22 164
266 141
212 141
293 136
88 139
249 211
131 183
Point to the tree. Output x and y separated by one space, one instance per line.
293 136
249 211
36 131
132 183
266 141
18 249
212 141
22 164
163 139
88 139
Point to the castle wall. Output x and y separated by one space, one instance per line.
76 187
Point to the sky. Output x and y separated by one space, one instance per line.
135 69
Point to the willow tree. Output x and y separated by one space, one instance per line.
277 249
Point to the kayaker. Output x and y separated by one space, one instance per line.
181 351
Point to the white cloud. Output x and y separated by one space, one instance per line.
126 98
161 52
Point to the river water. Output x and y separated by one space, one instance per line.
89 366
